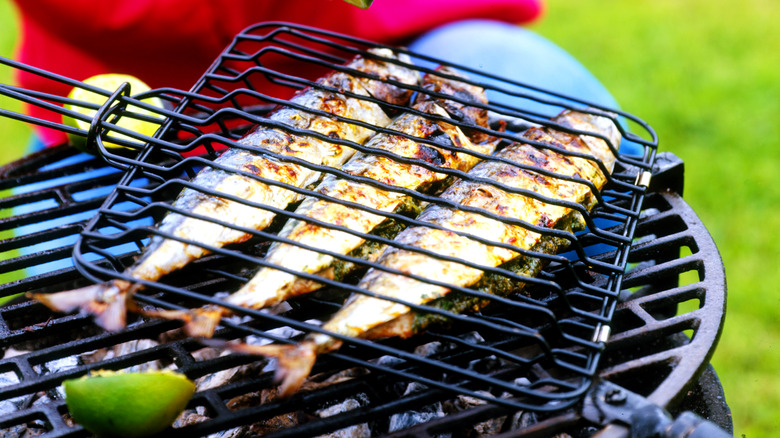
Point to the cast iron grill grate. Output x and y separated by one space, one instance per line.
548 343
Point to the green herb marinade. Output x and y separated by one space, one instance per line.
370 249
497 284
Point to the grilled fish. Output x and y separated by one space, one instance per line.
271 286
413 322
363 313
108 301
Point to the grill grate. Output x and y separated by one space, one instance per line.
548 342
648 342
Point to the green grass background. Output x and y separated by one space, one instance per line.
13 135
704 74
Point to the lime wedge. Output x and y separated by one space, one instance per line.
110 82
127 405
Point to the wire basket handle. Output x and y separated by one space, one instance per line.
119 103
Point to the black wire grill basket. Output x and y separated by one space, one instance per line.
537 350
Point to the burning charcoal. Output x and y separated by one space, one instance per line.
260 365
284 421
190 417
522 420
8 378
279 422
224 377
355 430
408 419
320 381
430 349
484 429
58 365
10 406
205 354
389 361
485 365
217 379
27 430
123 349
472 338
236 432
32 428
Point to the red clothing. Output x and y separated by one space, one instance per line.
170 43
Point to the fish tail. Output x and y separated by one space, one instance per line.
294 361
106 301
200 323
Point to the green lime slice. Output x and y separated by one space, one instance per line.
127 405
110 82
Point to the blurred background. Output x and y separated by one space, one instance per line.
704 74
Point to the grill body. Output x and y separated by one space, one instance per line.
522 369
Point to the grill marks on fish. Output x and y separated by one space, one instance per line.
363 313
164 255
414 135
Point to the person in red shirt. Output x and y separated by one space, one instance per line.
170 43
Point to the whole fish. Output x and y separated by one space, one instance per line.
363 313
108 301
270 286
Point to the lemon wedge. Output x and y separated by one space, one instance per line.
110 82
127 405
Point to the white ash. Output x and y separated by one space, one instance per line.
206 353
57 365
8 378
54 367
431 348
356 430
388 361
12 405
472 338
124 349
409 419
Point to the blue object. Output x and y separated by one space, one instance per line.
520 55
514 53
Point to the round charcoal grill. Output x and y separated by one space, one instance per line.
607 309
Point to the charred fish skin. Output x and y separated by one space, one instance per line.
163 255
363 313
270 286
